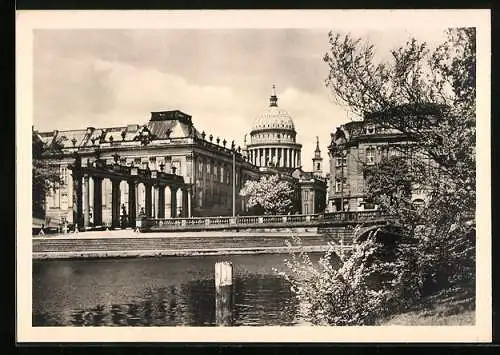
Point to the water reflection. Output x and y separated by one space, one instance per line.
157 292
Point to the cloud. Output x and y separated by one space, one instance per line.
222 78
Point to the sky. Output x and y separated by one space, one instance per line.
222 77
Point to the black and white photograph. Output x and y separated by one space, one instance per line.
254 176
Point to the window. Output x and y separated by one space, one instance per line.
369 206
318 166
64 175
370 155
418 203
222 174
152 163
341 161
177 165
200 198
64 200
200 169
338 186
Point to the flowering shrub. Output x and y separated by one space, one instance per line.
375 280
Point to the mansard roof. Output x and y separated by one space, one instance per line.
161 125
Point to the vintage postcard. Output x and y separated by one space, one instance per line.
253 176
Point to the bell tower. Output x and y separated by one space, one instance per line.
317 161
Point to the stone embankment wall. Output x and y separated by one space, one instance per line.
130 244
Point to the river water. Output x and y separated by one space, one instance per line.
163 291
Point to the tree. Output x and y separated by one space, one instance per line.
44 175
269 195
430 96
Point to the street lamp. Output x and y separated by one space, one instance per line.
234 181
341 154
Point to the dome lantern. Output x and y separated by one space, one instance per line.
274 117
273 101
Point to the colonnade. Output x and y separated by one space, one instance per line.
154 195
280 156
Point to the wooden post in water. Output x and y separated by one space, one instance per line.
224 293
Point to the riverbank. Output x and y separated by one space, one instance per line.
127 244
449 307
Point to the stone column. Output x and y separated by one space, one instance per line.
132 204
161 201
154 212
77 199
173 201
97 201
298 158
290 158
148 202
115 203
86 201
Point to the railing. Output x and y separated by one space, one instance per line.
354 216
267 220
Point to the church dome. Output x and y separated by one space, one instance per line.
274 117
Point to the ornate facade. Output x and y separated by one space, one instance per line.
168 143
357 144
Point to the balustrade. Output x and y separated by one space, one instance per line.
352 216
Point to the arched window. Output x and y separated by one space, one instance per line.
370 129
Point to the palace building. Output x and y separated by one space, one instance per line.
360 143
179 171
168 143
